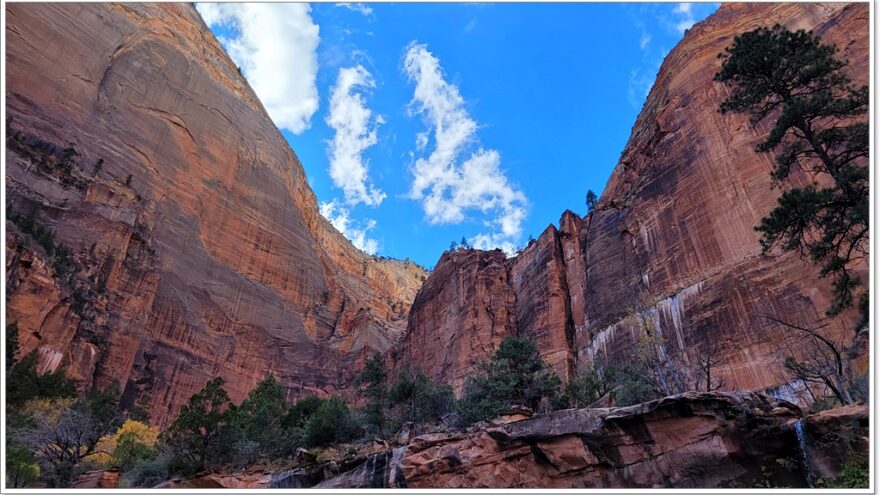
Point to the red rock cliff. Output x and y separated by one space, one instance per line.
199 245
672 236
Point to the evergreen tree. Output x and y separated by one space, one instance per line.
514 375
419 400
201 428
25 383
259 417
331 423
592 199
821 128
372 385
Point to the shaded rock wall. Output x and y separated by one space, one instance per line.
199 223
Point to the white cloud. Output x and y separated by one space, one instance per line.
685 17
275 45
458 175
642 79
355 232
355 128
646 39
357 7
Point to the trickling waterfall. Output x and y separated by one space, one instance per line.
802 446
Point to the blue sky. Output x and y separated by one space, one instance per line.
420 124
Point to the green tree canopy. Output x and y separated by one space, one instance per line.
514 375
821 128
200 428
259 417
372 383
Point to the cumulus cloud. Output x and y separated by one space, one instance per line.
357 7
458 175
275 45
685 16
356 232
355 128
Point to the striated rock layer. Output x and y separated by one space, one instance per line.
672 239
198 243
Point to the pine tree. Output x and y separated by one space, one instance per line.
201 427
821 128
372 385
592 199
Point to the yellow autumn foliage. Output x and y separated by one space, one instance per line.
143 432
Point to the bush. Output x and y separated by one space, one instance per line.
854 475
415 398
514 375
372 388
590 386
202 431
631 387
25 383
130 450
332 422
145 473
21 467
132 441
300 412
259 418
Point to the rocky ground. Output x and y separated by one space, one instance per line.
695 440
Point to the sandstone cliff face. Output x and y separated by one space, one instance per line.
672 237
198 243
459 316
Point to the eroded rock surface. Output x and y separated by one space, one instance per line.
672 238
200 247
692 440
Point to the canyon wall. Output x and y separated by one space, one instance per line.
196 244
671 240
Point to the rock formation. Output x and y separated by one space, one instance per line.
198 246
672 239
693 440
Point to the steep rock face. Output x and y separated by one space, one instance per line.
674 231
199 245
672 238
459 316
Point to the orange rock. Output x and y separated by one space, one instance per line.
216 258
672 236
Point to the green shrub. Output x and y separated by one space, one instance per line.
300 412
514 375
21 467
201 432
371 382
130 450
145 473
631 387
854 475
259 420
332 422
590 386
415 398
25 383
